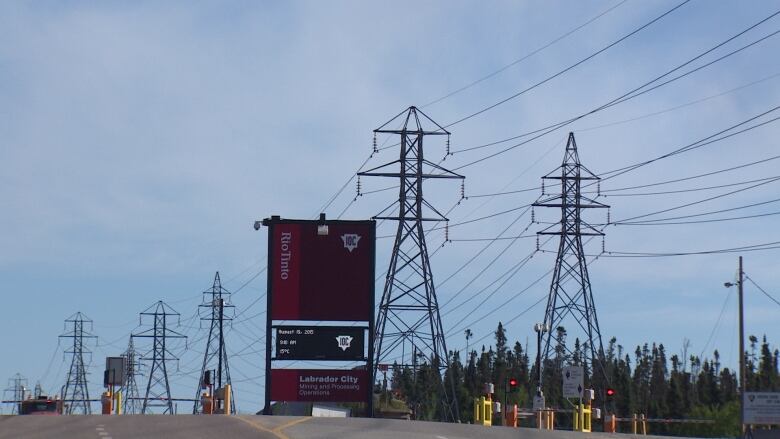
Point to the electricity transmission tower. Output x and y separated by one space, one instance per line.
17 388
132 399
570 290
409 324
76 394
158 389
216 301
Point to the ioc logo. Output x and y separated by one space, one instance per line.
350 241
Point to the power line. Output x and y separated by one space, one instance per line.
699 143
524 57
748 248
625 97
685 191
680 106
736 218
700 201
583 60
707 174
717 323
762 290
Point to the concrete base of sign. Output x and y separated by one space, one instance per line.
329 411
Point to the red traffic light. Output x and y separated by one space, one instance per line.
512 382
610 392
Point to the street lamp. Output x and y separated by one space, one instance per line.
738 284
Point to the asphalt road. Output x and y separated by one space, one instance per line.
258 427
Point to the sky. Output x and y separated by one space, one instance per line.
140 141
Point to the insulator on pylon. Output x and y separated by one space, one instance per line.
446 232
462 189
603 245
533 215
375 148
448 146
598 188
542 186
608 216
359 194
537 242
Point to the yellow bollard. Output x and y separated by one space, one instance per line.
118 402
587 417
633 424
576 418
483 411
551 419
226 401
644 424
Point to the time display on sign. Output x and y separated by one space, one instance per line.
320 343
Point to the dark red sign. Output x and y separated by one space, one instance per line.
319 385
319 275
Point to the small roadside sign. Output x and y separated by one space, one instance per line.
762 408
538 403
573 381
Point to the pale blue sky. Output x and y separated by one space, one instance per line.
140 141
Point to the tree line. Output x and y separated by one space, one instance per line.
646 380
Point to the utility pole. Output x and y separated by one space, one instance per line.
17 387
76 393
215 301
158 389
570 290
132 398
409 319
742 373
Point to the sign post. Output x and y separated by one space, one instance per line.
320 271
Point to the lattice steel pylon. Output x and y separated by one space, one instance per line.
408 320
131 397
17 388
75 397
570 290
216 305
158 389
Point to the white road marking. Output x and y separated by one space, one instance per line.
99 428
440 437
102 433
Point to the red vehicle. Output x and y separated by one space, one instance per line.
41 406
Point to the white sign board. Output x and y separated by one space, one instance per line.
573 381
538 403
762 408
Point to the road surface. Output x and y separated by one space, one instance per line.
259 427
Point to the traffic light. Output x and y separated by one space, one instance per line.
610 392
513 384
